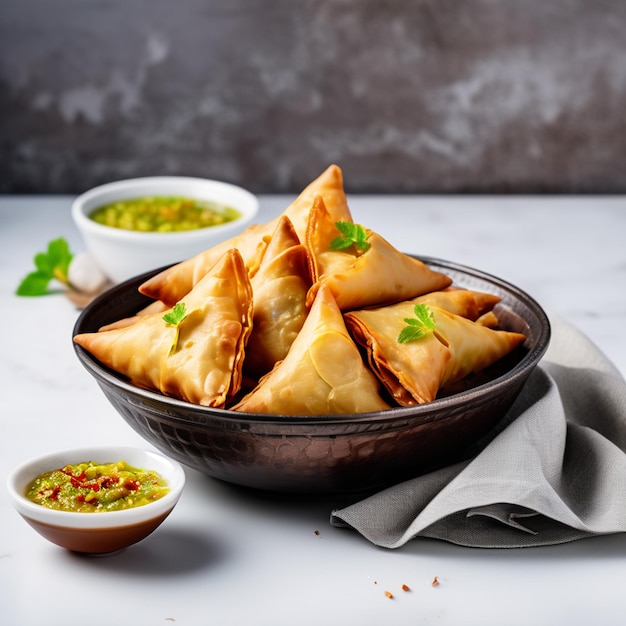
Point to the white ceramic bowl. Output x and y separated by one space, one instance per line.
122 254
96 533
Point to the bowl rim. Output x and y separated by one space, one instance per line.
21 476
121 189
431 411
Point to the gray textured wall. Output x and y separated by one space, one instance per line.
512 96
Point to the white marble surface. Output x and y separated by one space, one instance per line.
228 556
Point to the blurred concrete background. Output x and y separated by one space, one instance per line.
426 96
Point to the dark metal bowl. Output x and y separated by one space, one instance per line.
326 454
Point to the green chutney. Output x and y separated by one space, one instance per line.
90 487
163 214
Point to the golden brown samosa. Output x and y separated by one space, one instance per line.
279 290
489 319
154 307
323 373
464 302
173 283
329 185
199 359
415 371
359 277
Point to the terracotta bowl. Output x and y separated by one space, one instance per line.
96 533
326 454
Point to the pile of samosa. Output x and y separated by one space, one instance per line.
279 320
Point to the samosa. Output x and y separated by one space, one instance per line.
464 302
366 270
323 373
446 349
279 290
194 351
173 283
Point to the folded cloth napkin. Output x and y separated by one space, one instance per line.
555 471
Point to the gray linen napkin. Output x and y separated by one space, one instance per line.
556 471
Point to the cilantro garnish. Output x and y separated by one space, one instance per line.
176 315
51 265
174 318
350 234
418 326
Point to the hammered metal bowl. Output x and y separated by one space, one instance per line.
326 454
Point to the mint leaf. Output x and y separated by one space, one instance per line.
34 284
50 265
174 318
176 315
351 234
418 326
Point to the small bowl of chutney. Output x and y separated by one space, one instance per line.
135 225
96 500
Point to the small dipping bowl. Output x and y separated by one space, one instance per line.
121 253
98 532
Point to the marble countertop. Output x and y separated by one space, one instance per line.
230 556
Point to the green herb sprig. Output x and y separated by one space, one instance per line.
50 265
350 234
418 326
174 318
176 315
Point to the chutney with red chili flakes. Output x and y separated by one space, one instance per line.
90 487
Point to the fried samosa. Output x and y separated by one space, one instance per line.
415 371
173 283
464 302
199 358
329 185
154 307
279 291
375 274
323 373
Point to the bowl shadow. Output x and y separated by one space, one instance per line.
166 553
